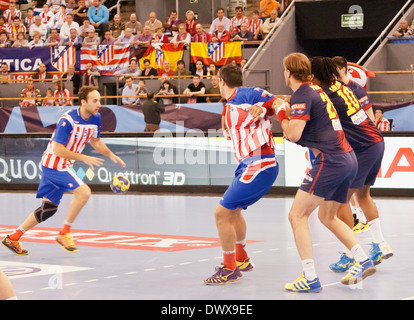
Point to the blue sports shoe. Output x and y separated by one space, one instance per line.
304 285
375 253
344 263
358 272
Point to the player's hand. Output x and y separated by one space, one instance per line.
226 134
92 161
257 112
117 160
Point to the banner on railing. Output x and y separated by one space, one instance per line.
221 53
107 59
157 54
24 62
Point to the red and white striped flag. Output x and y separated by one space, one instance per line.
106 59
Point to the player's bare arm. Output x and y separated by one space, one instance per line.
103 149
61 151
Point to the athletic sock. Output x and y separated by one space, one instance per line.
358 253
229 259
376 232
308 266
66 228
17 234
241 253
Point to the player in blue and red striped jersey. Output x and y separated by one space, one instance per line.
313 122
368 144
73 131
248 125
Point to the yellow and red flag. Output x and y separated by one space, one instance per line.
221 53
157 54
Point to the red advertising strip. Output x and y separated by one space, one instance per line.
119 240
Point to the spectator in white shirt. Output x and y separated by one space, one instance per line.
39 27
69 24
55 4
128 93
220 18
85 27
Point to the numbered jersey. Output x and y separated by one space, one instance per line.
323 129
360 131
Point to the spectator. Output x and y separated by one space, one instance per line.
85 28
47 16
126 38
108 39
148 71
166 69
201 35
4 41
73 39
117 26
181 70
132 70
49 100
403 30
243 62
80 12
35 93
3 25
244 34
199 69
254 25
60 17
266 6
221 18
111 5
11 13
194 89
152 113
14 28
62 95
190 23
212 69
42 74
166 89
380 122
74 77
220 35
20 41
28 100
30 18
98 15
54 38
69 24
142 90
269 23
39 27
182 36
128 92
142 42
91 40
5 76
55 5
159 37
171 24
36 42
153 23
165 77
237 20
134 24
90 77
214 89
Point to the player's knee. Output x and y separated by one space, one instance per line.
45 211
84 193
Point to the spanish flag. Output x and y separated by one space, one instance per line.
157 54
219 52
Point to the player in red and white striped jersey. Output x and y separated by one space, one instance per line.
73 131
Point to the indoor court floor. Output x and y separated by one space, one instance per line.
161 247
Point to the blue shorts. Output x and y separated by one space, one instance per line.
331 176
55 183
369 164
253 178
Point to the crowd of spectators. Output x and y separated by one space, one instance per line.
87 23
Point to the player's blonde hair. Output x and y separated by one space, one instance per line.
299 66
